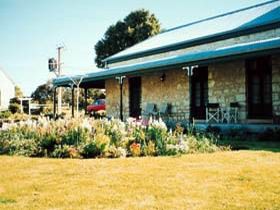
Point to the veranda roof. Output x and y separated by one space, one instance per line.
189 58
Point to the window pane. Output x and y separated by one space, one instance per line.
267 89
256 99
197 94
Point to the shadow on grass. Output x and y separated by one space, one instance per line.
6 201
238 144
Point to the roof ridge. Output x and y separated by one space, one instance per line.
7 75
218 16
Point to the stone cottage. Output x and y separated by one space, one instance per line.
214 63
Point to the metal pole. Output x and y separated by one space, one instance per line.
190 70
86 97
78 94
72 89
121 101
59 102
120 79
190 100
54 103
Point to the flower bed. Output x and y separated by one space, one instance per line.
89 138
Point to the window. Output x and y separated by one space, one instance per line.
259 88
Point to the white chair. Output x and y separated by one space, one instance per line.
164 110
213 112
233 113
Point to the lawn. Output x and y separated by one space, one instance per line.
223 180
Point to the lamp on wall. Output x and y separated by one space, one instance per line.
162 77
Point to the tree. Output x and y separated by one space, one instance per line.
43 93
18 92
136 27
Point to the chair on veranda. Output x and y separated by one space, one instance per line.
234 112
164 110
150 110
213 112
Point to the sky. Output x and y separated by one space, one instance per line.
31 30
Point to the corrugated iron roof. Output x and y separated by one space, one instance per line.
247 18
183 59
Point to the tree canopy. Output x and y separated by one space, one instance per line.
136 27
44 94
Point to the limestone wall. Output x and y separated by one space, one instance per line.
226 83
174 90
113 98
276 84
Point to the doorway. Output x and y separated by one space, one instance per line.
199 95
259 88
135 97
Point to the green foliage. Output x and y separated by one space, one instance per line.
74 136
136 27
43 93
18 92
89 149
89 138
61 151
157 132
24 147
14 108
5 114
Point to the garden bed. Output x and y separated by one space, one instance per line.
90 138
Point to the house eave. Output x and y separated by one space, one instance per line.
198 41
264 47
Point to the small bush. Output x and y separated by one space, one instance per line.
89 150
14 108
61 151
24 147
113 152
135 149
5 114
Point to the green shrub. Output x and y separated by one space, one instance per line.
61 151
24 147
201 144
74 136
114 152
91 138
14 108
89 150
157 132
149 149
5 114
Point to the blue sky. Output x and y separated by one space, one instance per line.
32 29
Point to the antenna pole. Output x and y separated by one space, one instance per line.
59 98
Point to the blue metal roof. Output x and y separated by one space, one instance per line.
231 51
190 34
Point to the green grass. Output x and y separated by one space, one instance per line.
223 180
273 146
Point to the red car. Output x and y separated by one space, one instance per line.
96 106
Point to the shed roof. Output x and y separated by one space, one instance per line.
7 76
201 57
217 27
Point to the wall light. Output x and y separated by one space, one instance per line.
162 77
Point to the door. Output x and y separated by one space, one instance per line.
259 88
199 92
135 97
